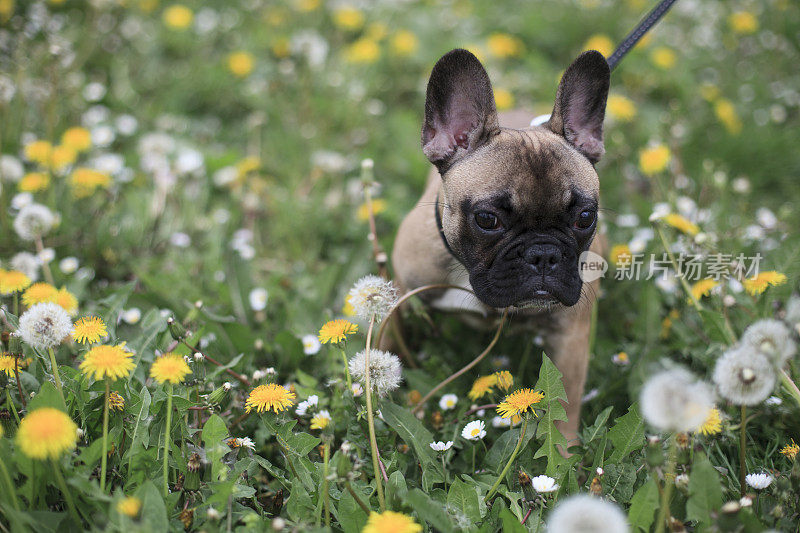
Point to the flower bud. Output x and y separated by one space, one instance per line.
176 329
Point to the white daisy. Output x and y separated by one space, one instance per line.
372 296
302 407
258 299
441 446
770 337
448 402
385 370
583 513
475 430
246 442
311 344
758 481
544 484
68 265
744 376
44 325
132 315
674 400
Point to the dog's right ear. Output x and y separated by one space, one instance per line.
460 113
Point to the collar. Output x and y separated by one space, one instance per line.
441 230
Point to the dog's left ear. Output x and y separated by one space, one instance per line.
581 104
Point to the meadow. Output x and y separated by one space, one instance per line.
190 297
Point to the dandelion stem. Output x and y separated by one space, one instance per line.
166 439
56 376
326 452
346 369
19 383
45 264
11 404
373 441
790 386
502 475
356 497
444 471
663 513
67 495
742 451
104 457
685 284
10 489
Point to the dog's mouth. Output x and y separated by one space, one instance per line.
541 300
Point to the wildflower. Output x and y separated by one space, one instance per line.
77 138
39 293
321 420
348 18
269 396
790 450
743 22
44 325
244 442
311 344
335 331
772 338
108 361
178 17
34 182
390 521
258 299
582 512
302 407
33 222
758 481
726 113
482 386
7 363
46 433
620 255
703 288
448 402
115 401
84 181
357 390
654 159
713 423
363 50
13 281
131 316
38 151
212 514
744 376
681 224
404 43
475 430
63 156
621 108
373 296
241 64
503 99
67 301
544 484
385 370
503 45
129 506
170 367
498 422
663 57
378 206
518 402
89 329
674 400
441 446
504 380
68 265
621 359
758 284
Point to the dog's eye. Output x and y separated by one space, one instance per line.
487 221
585 219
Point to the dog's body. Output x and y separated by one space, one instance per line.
510 208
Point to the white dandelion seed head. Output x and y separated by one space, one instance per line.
44 325
772 338
675 400
758 481
583 514
475 430
448 402
373 296
11 168
385 370
744 376
34 221
544 484
27 263
20 200
311 344
441 446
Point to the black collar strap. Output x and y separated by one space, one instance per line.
441 230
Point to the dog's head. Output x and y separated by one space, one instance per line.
518 206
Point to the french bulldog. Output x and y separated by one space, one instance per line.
509 208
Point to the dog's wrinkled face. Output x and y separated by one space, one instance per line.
518 206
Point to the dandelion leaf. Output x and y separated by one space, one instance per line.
501 450
154 512
550 384
643 506
627 435
511 523
416 435
463 500
429 510
705 492
214 435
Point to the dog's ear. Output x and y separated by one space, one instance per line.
581 104
460 114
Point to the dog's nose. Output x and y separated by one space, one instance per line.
543 257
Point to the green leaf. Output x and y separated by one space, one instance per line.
154 513
627 435
598 429
47 396
464 500
429 510
497 456
418 437
350 516
550 383
214 435
618 480
644 505
510 522
705 492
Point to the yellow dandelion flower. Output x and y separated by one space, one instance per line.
503 45
621 108
7 363
504 379
758 284
713 423
12 281
269 396
726 113
404 43
115 401
46 433
703 288
108 361
39 293
743 22
170 367
347 308
34 182
666 324
178 17
85 181
482 386
790 450
77 138
321 420
129 506
663 57
620 254
241 64
503 99
280 47
306 6
654 159
63 156
38 152
681 224
89 329
601 43
67 301
6 10
390 522
709 92
377 31
518 402
363 50
335 331
348 18
378 206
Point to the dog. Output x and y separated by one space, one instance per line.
509 208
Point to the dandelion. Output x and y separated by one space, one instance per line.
270 396
703 288
482 386
674 400
448 402
743 22
601 43
519 402
34 182
63 156
39 293
385 370
475 430
77 138
620 255
85 181
663 57
772 338
34 221
302 407
726 113
441 446
758 284
38 151
654 159
12 281
129 506
107 361
348 18
67 301
46 433
68 265
241 64
759 481
681 224
178 17
390 521
504 380
790 450
744 376
116 402
7 363
582 512
544 484
88 330
363 51
169 368
712 424
503 99
404 43
321 420
44 325
336 331
621 108
378 206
